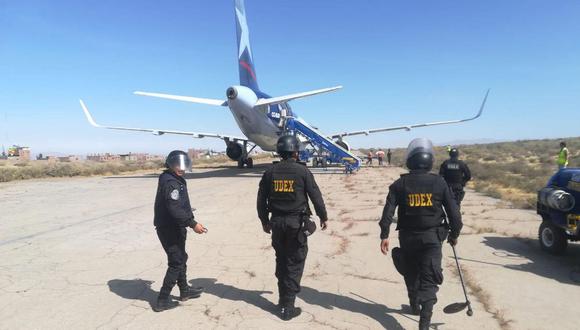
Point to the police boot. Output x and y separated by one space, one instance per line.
189 292
287 310
290 312
164 303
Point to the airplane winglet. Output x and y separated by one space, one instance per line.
482 104
88 115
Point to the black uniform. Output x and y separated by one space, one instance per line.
284 191
173 215
456 173
421 197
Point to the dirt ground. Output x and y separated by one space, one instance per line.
82 253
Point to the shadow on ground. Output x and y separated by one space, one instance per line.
564 269
226 172
375 311
230 292
136 289
204 173
139 289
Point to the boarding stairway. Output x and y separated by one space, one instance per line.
337 153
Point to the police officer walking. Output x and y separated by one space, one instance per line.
456 173
173 214
284 191
422 199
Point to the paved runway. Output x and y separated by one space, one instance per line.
82 254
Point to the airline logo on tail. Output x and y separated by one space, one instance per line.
246 61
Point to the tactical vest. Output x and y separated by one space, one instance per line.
287 194
453 172
419 198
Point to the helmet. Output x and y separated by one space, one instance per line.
178 158
420 154
287 144
454 153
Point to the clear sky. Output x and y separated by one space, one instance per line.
401 62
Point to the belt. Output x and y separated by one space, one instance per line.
286 214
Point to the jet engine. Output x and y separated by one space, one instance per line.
234 151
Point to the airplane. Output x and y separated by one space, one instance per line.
263 119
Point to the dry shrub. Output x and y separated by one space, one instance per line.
513 171
36 170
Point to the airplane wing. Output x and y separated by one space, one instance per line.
286 98
409 127
160 131
184 98
260 102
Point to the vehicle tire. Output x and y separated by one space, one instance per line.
250 162
241 163
552 239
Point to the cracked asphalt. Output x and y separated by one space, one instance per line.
82 253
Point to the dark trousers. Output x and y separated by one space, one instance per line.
458 192
422 254
291 248
173 241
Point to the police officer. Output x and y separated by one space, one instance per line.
173 214
421 198
456 173
284 191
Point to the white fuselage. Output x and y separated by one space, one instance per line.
254 122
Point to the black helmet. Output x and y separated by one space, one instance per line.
420 154
287 144
454 153
178 158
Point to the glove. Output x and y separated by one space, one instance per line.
452 241
267 228
323 225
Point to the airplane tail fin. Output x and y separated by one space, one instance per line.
245 57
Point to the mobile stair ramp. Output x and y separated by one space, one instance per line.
337 153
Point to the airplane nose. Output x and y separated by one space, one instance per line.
231 93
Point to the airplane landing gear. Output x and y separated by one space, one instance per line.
249 162
245 160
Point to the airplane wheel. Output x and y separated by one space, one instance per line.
240 163
250 162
